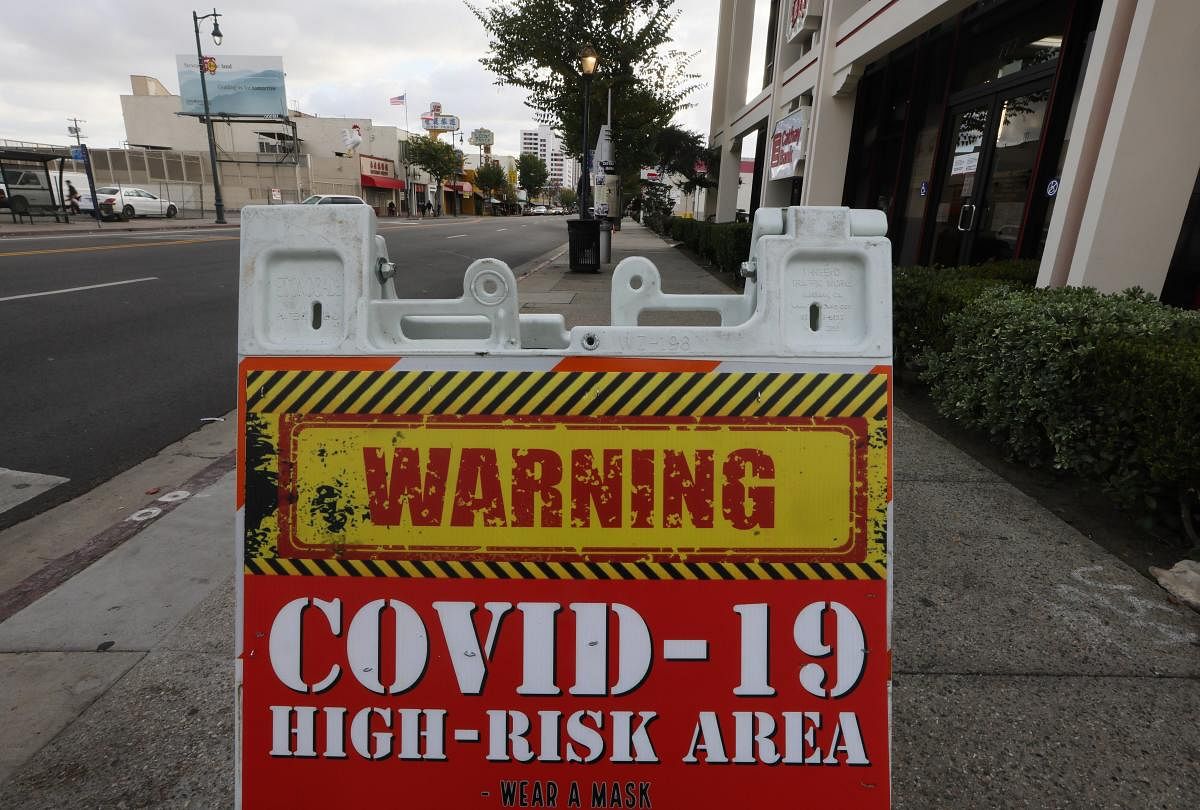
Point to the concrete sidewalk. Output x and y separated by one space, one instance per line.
1031 668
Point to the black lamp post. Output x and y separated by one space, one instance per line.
587 65
218 203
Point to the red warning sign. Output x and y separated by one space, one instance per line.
508 588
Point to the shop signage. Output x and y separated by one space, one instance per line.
437 121
482 137
802 15
237 85
789 144
377 167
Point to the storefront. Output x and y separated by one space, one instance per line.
1054 130
960 136
380 185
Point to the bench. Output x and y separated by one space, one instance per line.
21 208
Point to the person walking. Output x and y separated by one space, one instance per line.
72 197
391 208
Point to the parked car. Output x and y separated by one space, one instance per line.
333 199
557 209
127 202
538 210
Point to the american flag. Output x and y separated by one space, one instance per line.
398 101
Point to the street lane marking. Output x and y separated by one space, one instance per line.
16 486
78 289
501 229
456 236
47 251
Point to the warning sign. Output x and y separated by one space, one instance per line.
586 585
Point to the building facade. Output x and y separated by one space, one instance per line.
1056 130
543 142
256 158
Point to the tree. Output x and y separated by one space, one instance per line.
532 172
682 154
436 157
490 177
568 197
535 46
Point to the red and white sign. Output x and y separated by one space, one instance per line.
520 693
789 144
376 166
802 16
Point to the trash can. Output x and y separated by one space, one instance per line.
583 243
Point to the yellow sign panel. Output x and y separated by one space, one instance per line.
729 487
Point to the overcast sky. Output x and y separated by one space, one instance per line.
341 57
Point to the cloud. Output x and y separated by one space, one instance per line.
341 57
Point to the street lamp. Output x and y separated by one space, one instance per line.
217 36
587 65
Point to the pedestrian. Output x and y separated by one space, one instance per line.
391 208
72 197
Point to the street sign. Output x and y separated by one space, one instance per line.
477 566
78 153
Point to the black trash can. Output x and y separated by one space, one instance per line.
583 243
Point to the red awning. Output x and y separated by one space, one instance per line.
381 182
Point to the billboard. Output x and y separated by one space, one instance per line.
237 85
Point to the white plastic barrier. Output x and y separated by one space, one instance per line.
316 279
478 553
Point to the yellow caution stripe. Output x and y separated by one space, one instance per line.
539 569
568 393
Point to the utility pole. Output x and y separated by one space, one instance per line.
74 130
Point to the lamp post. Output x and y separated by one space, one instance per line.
587 65
218 203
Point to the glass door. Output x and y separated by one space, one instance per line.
1019 117
957 198
992 155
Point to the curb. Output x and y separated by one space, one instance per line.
111 229
538 263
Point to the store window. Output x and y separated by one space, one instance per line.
1003 39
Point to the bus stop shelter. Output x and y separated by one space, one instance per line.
26 173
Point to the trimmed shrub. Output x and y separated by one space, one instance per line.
1104 386
923 296
724 245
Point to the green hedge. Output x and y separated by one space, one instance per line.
923 297
725 245
1104 386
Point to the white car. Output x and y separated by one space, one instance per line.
333 199
538 210
128 202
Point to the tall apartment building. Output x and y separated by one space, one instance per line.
564 172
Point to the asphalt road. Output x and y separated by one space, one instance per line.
117 345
